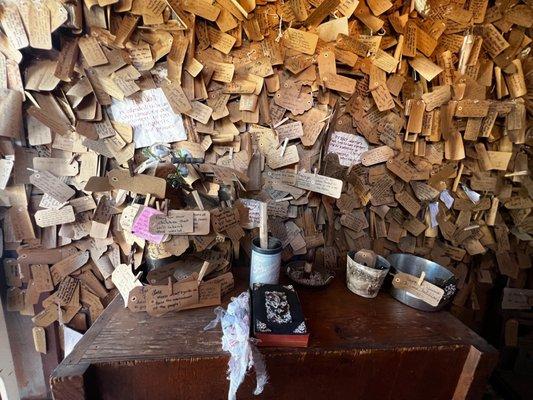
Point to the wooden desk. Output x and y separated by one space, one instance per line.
359 349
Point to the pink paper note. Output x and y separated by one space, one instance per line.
142 223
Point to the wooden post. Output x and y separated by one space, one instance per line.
263 226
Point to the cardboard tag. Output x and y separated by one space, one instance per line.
42 279
44 218
178 222
425 42
36 17
223 218
82 204
220 40
472 108
425 67
355 221
517 299
209 294
10 106
137 299
321 12
328 31
200 112
378 7
410 39
68 265
291 131
499 160
162 299
385 61
223 72
339 83
376 156
416 117
518 203
55 123
405 171
299 40
13 26
348 147
423 191
202 8
319 183
12 273
383 98
141 225
125 281
426 291
275 160
515 81
439 96
493 40
39 339
66 290
121 179
56 166
408 202
47 316
92 52
125 29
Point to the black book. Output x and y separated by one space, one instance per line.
277 317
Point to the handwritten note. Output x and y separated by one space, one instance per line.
320 184
348 147
426 291
253 207
141 225
151 117
180 222
124 280
162 299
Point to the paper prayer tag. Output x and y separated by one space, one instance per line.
426 292
125 281
179 223
299 40
162 299
52 186
52 217
319 183
121 179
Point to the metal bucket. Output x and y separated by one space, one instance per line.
435 274
265 263
363 280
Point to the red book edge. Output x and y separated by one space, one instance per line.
267 339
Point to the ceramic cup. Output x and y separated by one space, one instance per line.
363 280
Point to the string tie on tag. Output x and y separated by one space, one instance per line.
280 34
249 55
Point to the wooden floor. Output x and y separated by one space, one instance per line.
359 348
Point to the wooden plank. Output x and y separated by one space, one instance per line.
341 374
8 379
68 382
471 382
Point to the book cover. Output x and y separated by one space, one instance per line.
277 316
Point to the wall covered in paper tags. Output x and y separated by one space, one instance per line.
400 127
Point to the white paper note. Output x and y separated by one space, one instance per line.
348 147
151 117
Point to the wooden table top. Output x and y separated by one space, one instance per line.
337 320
